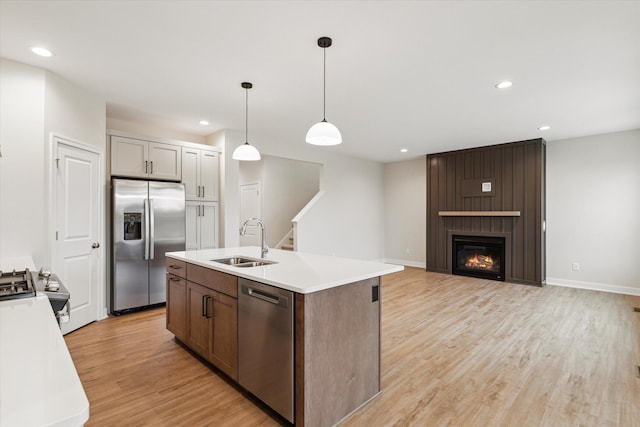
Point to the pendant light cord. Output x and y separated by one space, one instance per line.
324 85
246 116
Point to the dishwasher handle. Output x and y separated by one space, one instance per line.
278 300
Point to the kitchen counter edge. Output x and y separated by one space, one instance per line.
294 271
49 392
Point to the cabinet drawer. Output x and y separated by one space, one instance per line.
179 268
215 280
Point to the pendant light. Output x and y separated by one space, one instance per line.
246 151
324 133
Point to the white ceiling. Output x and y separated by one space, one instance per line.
400 74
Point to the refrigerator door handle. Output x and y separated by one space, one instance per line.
152 243
146 229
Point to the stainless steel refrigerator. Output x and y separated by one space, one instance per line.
148 219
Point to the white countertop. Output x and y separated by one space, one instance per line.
295 271
39 385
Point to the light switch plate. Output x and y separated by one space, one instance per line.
486 187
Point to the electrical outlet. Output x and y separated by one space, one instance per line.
575 266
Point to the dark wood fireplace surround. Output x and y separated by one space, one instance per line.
497 190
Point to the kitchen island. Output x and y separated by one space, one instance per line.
336 321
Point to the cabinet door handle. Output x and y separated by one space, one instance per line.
175 267
203 191
207 298
202 210
174 279
204 297
151 163
146 166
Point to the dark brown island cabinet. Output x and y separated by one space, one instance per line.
202 312
336 337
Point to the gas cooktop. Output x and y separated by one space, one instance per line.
16 284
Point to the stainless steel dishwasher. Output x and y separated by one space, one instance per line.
265 344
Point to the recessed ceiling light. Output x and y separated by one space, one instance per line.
503 85
204 123
545 127
403 150
41 51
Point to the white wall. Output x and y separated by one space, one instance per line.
153 130
593 211
35 105
286 187
405 212
22 166
73 113
349 219
227 140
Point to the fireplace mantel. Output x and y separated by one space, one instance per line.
479 213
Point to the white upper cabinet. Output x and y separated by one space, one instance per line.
190 170
164 161
209 164
128 157
145 159
200 174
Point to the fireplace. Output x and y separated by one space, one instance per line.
478 256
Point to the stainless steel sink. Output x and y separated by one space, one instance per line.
254 264
244 262
232 260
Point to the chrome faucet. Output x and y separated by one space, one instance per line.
263 234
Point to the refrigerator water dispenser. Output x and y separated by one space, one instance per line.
132 226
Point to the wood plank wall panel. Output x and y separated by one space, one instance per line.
518 170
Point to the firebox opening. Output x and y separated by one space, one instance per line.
478 256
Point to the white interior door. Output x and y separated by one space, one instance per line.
250 207
78 252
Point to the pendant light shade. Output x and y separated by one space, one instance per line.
324 133
246 151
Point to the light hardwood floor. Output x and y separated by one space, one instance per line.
455 352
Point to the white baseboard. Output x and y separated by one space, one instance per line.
594 286
406 263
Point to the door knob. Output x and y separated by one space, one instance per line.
95 245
